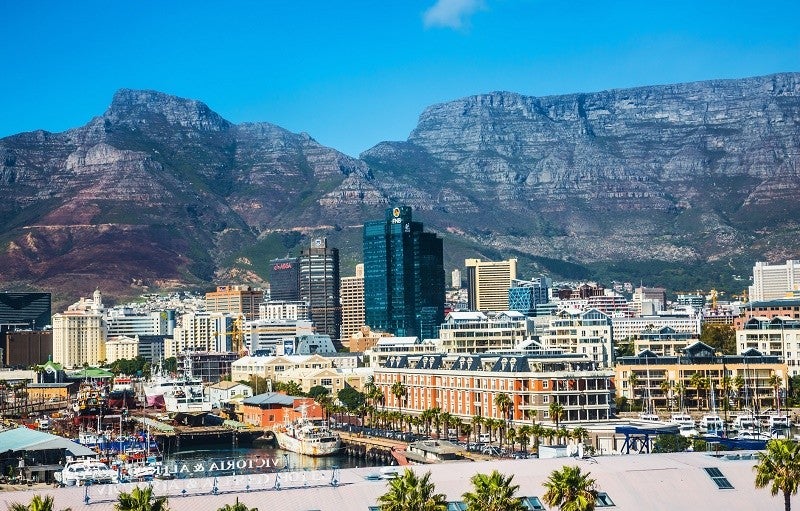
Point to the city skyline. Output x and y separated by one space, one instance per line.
352 76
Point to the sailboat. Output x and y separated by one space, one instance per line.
649 414
711 423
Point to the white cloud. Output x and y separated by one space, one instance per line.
451 13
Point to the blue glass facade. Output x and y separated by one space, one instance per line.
403 276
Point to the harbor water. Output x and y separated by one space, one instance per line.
223 459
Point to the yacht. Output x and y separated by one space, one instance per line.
682 419
304 436
687 430
711 423
86 471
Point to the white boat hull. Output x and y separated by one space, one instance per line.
307 447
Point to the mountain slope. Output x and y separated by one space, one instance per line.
660 183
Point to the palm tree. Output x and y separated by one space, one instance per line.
238 506
666 387
696 381
779 467
477 420
556 412
633 381
775 382
411 493
569 489
580 434
399 392
140 500
537 431
37 503
493 492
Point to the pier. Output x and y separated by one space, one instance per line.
175 436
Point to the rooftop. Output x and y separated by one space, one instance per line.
654 482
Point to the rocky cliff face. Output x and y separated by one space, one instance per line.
674 172
162 191
157 191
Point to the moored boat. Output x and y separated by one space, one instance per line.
312 438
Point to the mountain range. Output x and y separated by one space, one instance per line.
682 185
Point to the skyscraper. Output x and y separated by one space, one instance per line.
319 286
352 291
284 279
403 276
488 283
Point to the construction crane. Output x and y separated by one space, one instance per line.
237 336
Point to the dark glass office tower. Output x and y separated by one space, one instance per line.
403 276
24 310
319 287
284 279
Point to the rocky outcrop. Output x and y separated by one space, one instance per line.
160 189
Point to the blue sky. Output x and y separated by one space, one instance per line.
352 74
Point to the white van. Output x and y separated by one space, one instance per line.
485 438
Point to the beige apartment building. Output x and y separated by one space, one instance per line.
351 295
235 300
488 283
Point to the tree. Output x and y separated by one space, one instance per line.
140 499
570 490
633 381
556 412
697 381
671 443
411 493
779 468
317 391
238 506
37 503
399 392
775 382
493 492
720 337
351 398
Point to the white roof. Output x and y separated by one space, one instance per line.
466 316
393 341
654 482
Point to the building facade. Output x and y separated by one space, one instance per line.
771 281
319 286
688 381
525 295
125 321
25 311
121 347
403 276
79 333
235 300
475 332
777 336
488 283
587 333
202 331
352 298
284 279
468 385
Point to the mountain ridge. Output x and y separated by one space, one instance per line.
160 191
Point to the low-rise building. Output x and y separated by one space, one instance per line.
268 367
475 332
121 347
586 332
224 391
777 336
669 382
664 341
273 409
467 385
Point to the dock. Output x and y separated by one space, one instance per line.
235 432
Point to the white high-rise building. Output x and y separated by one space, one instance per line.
127 322
79 333
771 281
351 294
202 331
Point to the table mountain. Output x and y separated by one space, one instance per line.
162 191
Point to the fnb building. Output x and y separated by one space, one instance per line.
403 276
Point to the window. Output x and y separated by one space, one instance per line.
603 500
533 503
327 382
456 506
717 476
